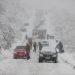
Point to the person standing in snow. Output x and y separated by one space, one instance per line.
34 45
40 46
60 47
28 50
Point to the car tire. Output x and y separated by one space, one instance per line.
15 57
28 57
55 61
40 59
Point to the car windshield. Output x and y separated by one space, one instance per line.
20 47
45 41
44 45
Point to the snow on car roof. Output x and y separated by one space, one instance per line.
51 47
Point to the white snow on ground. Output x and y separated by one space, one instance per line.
14 67
32 67
68 58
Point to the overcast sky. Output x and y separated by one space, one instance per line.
47 4
44 4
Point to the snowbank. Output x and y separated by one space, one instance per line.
68 58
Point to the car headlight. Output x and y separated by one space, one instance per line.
41 55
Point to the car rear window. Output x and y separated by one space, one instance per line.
45 44
45 41
20 47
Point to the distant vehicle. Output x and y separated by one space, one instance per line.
21 52
48 51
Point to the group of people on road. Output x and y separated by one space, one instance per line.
58 46
28 46
35 46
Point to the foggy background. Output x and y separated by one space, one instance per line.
59 15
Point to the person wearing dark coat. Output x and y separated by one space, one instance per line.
60 47
28 50
40 46
34 45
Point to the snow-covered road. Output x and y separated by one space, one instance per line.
32 67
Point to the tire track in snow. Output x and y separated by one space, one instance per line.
65 61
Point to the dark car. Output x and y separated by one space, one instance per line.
48 52
21 52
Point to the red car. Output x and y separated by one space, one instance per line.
21 52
